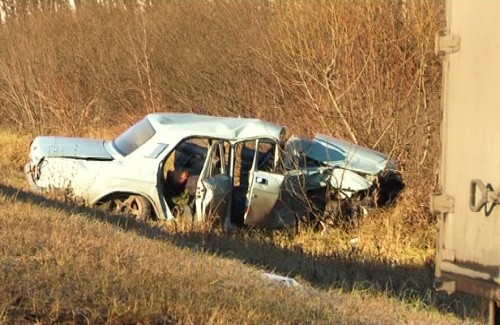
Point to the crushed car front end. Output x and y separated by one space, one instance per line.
348 176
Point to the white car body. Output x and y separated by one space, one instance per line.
133 164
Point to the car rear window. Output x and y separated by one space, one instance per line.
134 137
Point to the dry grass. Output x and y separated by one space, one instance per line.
363 71
62 265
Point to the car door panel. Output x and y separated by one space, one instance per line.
270 197
214 186
215 199
262 198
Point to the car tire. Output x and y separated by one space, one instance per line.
133 205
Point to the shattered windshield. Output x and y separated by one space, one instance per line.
311 153
134 137
325 154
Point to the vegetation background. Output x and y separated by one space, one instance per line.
360 70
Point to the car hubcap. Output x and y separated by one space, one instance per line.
127 205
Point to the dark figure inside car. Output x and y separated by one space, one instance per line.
181 191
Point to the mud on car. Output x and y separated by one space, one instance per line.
239 169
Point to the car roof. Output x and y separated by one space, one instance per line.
230 128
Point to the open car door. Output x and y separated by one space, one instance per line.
270 195
213 191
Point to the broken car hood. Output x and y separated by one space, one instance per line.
78 148
334 152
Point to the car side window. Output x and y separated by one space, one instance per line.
217 165
265 156
244 154
158 150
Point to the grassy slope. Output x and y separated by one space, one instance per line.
58 265
62 263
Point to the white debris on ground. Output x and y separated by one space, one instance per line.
354 241
284 280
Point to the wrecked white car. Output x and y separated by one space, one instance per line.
168 165
138 172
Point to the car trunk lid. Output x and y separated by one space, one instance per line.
78 148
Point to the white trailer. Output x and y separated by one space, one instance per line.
468 245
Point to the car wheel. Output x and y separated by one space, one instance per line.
134 205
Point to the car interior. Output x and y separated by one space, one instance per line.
188 159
